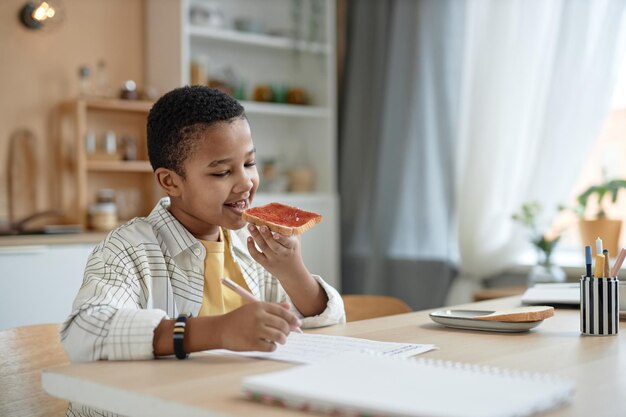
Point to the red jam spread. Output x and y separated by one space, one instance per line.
282 214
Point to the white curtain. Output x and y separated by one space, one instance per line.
455 113
537 81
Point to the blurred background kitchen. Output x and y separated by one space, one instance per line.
457 149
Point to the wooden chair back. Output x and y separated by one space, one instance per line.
25 351
362 307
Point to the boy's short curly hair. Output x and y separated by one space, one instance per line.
179 117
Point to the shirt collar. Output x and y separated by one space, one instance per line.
176 237
238 242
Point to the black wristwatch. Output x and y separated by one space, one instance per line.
179 336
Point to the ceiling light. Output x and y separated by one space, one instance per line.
41 14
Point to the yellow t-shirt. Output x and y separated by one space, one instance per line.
218 263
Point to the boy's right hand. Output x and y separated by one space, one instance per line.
257 326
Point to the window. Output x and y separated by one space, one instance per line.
606 160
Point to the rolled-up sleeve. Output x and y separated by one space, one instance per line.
131 334
107 321
334 312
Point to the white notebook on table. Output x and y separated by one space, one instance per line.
561 293
370 384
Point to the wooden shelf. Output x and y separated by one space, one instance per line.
276 109
114 104
82 175
252 107
109 104
257 40
301 197
15 244
119 166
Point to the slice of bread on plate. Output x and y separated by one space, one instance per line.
520 314
283 219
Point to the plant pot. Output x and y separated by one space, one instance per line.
605 229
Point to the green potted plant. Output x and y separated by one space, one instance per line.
593 221
544 243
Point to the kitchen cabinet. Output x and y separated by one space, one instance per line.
39 282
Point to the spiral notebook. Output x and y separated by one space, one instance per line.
369 384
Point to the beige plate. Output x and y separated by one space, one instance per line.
464 319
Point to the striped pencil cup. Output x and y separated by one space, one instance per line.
599 306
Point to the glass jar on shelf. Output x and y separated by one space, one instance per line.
90 143
103 88
84 81
272 180
103 214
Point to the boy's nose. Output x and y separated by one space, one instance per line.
244 184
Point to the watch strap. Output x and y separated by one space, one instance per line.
179 336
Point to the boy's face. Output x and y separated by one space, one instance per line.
220 181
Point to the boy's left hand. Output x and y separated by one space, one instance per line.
280 255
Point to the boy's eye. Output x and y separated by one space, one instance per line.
226 173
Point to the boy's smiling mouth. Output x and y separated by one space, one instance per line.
238 206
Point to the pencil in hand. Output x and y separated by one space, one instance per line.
239 290
246 295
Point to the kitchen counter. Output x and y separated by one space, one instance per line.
52 239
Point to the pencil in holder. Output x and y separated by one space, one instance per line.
599 306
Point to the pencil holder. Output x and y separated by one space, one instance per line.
599 306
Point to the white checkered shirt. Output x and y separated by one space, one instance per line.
151 268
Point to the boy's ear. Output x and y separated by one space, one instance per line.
169 180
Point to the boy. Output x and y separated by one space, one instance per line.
153 269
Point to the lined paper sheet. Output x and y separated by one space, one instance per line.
312 348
